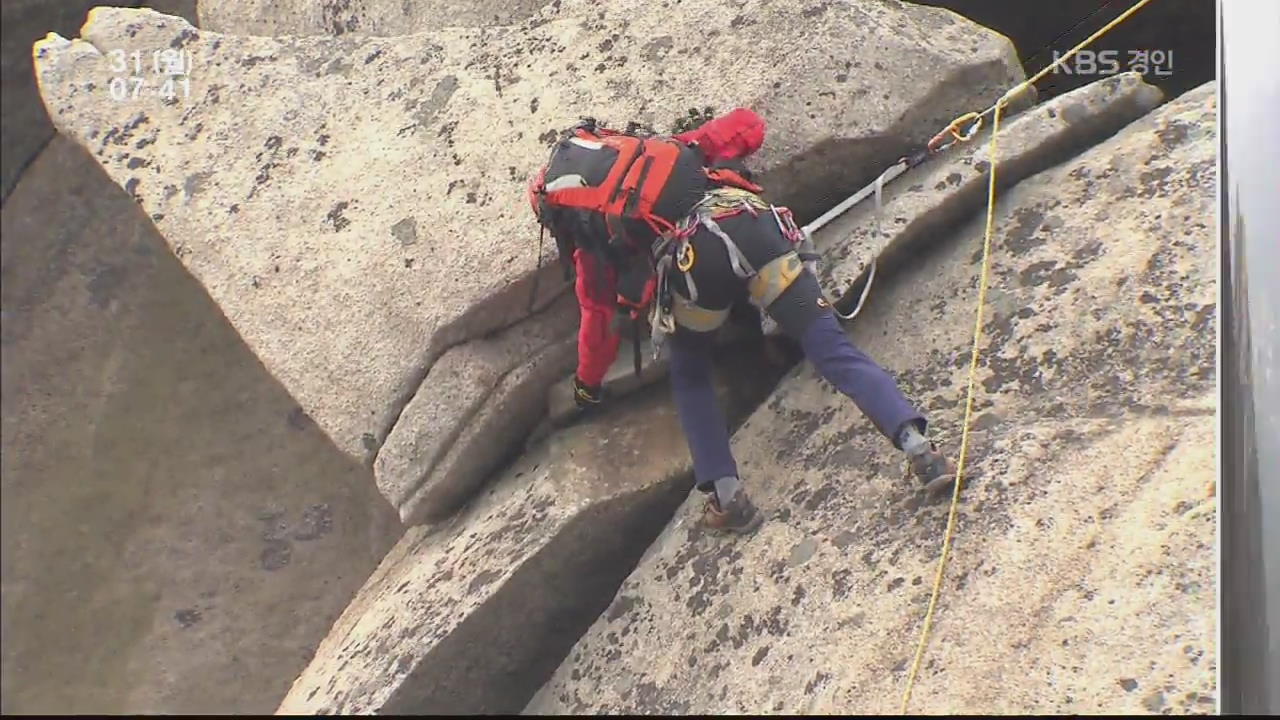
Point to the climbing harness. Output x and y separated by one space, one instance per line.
675 250
994 110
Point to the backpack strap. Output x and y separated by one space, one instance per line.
635 344
729 177
635 300
741 266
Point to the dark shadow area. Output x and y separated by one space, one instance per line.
1184 28
178 535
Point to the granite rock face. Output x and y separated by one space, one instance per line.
919 208
356 17
474 614
355 205
177 535
1082 579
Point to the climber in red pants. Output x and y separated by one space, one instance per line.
723 140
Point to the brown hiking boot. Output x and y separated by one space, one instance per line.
933 469
739 516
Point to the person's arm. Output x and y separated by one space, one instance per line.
731 136
596 288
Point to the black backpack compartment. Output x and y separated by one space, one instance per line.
581 228
570 158
686 186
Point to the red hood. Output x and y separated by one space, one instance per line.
734 135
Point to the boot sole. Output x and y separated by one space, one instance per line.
940 483
750 527
747 529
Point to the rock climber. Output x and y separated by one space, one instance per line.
719 245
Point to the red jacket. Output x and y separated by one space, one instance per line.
734 135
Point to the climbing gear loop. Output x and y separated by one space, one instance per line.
878 186
685 258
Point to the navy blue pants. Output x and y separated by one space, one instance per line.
825 344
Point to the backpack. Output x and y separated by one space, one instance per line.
616 194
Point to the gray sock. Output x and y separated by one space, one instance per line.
725 488
912 442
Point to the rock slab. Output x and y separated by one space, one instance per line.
274 18
472 615
26 128
178 535
483 396
355 204
922 207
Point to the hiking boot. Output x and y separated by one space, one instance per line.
586 396
739 516
933 469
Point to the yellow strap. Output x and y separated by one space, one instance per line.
696 317
977 338
773 279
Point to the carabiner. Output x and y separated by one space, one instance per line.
953 128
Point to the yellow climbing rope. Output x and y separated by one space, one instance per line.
977 327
